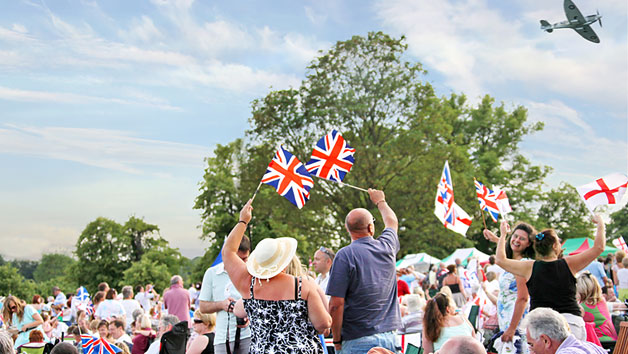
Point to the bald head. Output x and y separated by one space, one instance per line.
357 222
462 345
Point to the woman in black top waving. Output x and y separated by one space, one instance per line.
550 279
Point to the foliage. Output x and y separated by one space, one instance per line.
25 267
148 271
53 265
141 234
564 210
619 224
402 132
13 283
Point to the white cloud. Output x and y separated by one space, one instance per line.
19 28
475 47
103 148
12 94
142 30
314 17
15 34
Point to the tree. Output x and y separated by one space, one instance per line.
402 132
13 283
104 252
564 210
619 224
141 234
52 265
25 267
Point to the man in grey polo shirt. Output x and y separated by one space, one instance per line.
363 285
218 295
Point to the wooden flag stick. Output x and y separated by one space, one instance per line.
484 221
256 190
344 184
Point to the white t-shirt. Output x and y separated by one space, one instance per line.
110 308
130 305
154 347
622 277
144 300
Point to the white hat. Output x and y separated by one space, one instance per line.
271 256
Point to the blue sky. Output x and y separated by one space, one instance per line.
107 108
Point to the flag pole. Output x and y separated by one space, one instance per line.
344 184
256 190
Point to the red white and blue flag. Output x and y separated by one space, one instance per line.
289 177
488 200
93 345
606 190
332 158
445 196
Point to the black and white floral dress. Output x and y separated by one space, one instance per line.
281 326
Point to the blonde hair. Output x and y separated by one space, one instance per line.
209 319
145 321
619 255
93 326
295 267
588 289
624 262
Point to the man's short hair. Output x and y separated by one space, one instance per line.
543 320
64 348
138 289
462 345
175 279
359 222
245 245
491 260
127 291
329 253
55 288
103 286
119 323
169 320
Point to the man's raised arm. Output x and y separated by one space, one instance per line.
388 215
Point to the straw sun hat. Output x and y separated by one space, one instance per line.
271 256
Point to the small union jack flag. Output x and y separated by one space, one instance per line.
289 177
445 196
488 200
332 158
93 345
87 342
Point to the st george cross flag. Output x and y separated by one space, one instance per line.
606 190
487 199
461 223
502 201
332 157
445 197
289 177
620 243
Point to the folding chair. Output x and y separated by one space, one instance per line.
621 345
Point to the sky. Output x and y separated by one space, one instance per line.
108 108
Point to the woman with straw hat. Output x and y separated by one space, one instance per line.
285 312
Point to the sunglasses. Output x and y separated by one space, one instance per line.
327 252
13 308
196 320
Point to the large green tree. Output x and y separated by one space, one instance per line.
618 226
564 211
403 133
13 283
53 265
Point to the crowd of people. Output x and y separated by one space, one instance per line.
528 298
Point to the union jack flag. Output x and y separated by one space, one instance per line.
289 177
445 196
487 199
92 345
332 158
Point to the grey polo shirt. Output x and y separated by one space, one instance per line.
364 274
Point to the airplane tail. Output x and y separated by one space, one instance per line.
546 26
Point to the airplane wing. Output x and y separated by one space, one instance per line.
572 12
587 33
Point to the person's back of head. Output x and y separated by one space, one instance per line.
545 321
127 292
176 279
64 348
462 345
111 294
168 321
103 287
491 260
6 343
619 256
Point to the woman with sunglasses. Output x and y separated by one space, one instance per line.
204 325
24 318
550 279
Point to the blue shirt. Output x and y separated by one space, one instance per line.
596 268
363 273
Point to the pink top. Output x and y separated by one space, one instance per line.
177 302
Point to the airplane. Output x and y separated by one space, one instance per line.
575 21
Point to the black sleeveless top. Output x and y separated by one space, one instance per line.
552 285
209 349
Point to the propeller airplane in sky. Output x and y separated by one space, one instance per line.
575 21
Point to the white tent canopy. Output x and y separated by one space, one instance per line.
464 254
420 261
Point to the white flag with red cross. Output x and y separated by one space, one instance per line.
606 190
620 243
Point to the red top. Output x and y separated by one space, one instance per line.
177 302
402 288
